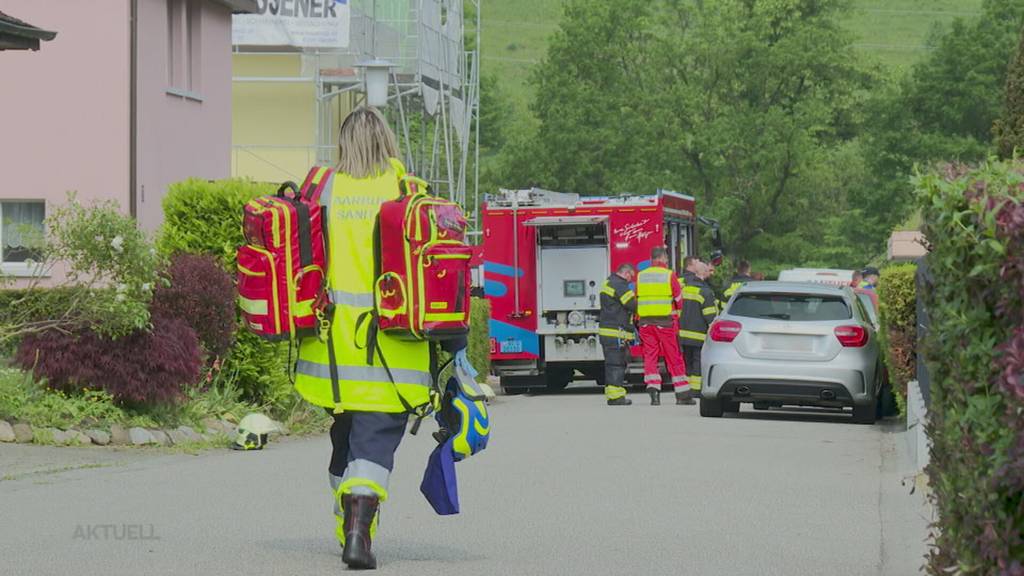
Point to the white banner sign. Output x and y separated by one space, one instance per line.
302 23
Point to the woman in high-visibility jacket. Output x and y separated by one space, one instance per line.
369 415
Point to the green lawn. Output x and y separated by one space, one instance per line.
894 32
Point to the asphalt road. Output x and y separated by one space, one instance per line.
567 486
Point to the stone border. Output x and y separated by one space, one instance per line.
213 429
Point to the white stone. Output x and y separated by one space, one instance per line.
78 437
7 432
119 436
189 434
98 437
140 436
23 433
160 437
59 437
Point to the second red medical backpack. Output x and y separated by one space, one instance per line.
422 291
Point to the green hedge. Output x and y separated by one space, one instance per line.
205 217
974 220
897 295
480 337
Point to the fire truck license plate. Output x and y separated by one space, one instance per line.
511 346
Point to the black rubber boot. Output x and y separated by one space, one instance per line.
655 396
620 402
360 511
685 398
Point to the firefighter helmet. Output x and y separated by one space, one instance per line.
253 432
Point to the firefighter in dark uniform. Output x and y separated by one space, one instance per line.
699 311
618 306
742 277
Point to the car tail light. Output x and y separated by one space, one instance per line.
725 330
852 336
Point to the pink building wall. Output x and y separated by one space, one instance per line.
64 109
181 137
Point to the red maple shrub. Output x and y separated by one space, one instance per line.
202 294
142 368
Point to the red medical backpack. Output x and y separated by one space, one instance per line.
282 267
422 291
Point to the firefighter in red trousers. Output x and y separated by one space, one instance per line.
659 299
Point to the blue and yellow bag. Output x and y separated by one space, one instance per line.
462 416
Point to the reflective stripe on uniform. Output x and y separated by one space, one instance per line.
254 307
654 301
364 373
614 392
652 378
615 333
693 293
691 335
646 277
709 310
607 289
627 296
342 298
370 476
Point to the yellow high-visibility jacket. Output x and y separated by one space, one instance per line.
352 205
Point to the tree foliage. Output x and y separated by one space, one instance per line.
763 110
943 110
1009 130
750 105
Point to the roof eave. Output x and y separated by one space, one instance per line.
12 29
12 42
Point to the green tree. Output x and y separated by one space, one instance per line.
749 105
1009 130
943 110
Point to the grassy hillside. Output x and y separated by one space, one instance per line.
892 31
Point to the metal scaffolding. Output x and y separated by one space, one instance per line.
433 93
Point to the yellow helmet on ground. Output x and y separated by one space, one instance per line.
253 432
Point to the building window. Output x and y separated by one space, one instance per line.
184 48
21 235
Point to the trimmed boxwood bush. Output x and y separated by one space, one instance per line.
480 337
974 221
897 296
205 217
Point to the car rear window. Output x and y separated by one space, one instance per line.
793 307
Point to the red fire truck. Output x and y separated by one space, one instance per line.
546 256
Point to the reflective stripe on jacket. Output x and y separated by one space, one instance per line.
353 205
699 310
735 284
